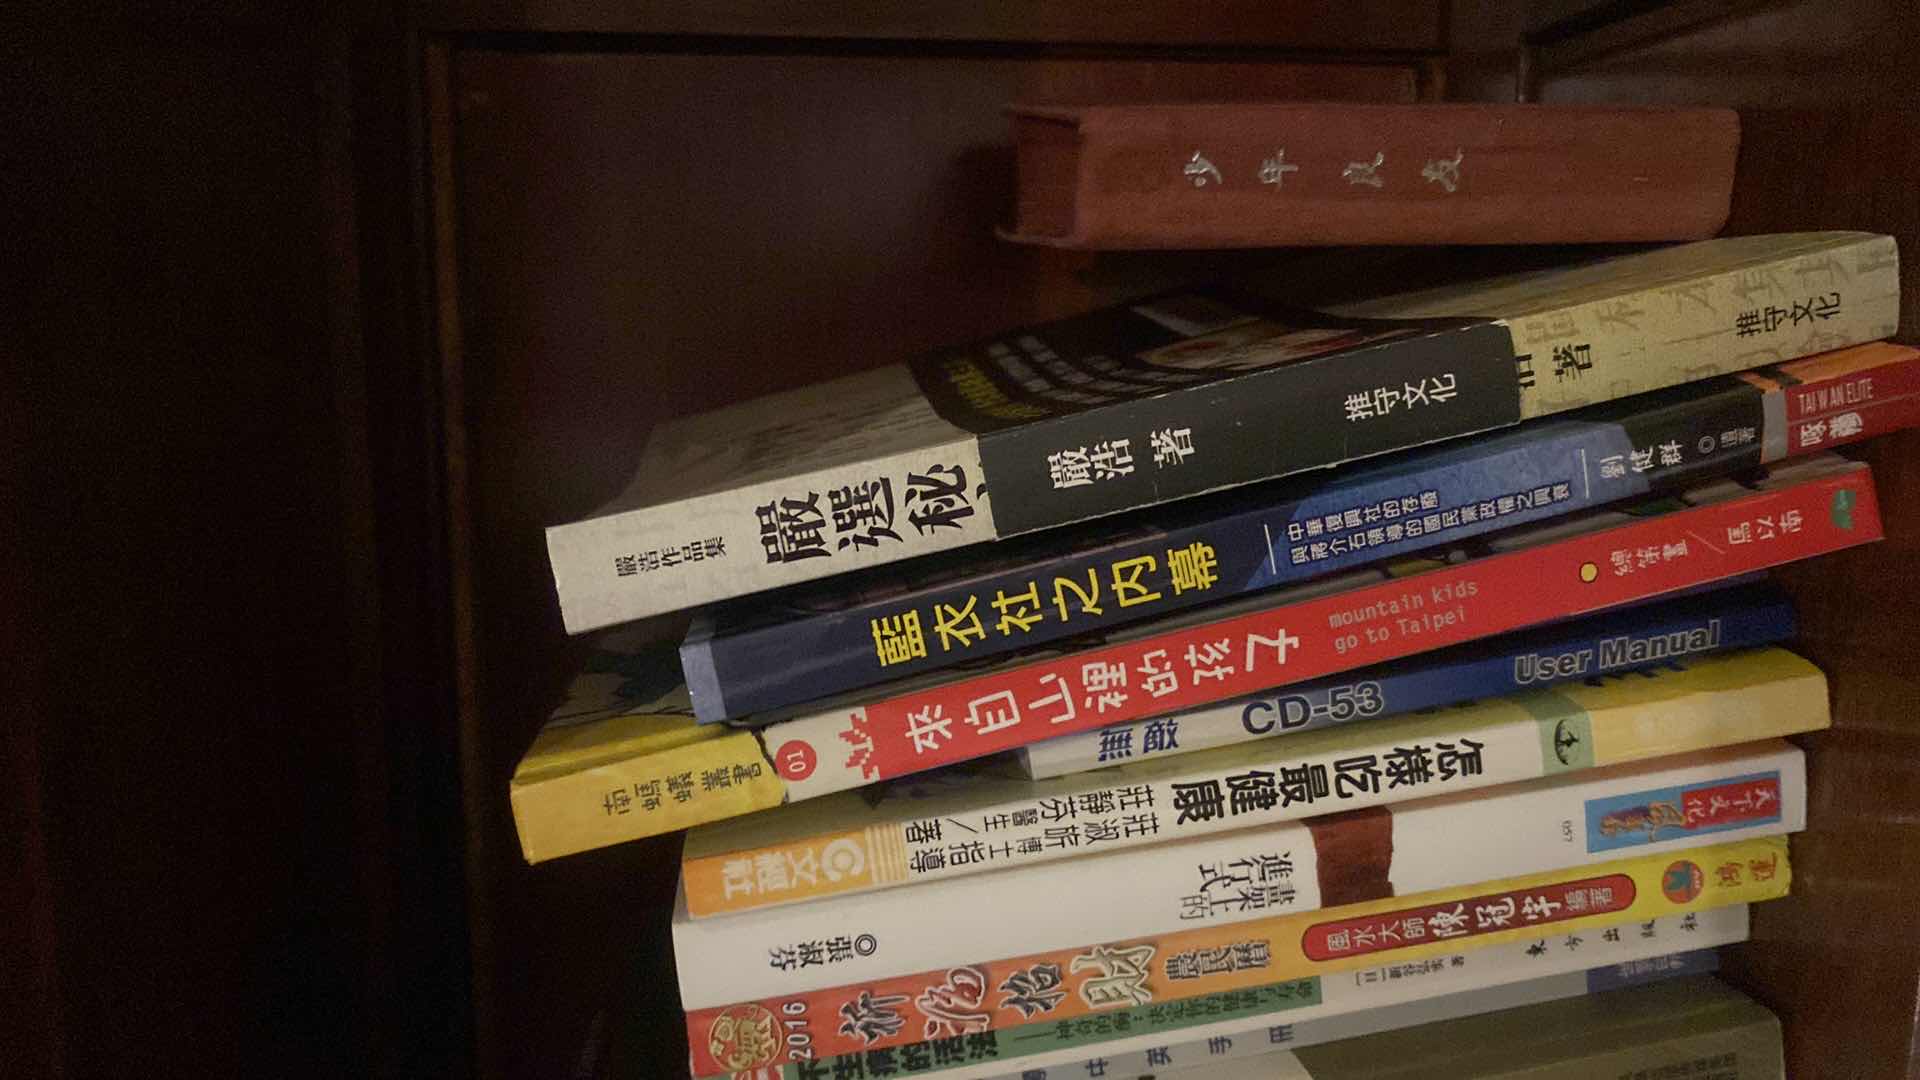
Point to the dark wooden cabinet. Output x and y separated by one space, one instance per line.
366 295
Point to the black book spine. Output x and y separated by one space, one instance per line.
1317 411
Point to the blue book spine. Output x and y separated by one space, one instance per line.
1611 644
1640 972
947 611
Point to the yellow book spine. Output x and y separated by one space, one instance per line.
645 795
1058 985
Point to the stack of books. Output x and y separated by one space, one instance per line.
1080 702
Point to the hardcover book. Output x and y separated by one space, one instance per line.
1662 632
1261 174
966 823
1059 986
768 653
1175 396
1733 793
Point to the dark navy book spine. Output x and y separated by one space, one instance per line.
812 643
1641 972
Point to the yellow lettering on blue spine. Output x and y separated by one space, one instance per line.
1089 596
1020 612
959 625
898 639
1127 590
1193 567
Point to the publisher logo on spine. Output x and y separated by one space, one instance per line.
1566 737
742 1037
1682 881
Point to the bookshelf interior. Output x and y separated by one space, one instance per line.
544 226
660 225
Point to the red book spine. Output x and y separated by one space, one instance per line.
1181 669
1836 404
1293 174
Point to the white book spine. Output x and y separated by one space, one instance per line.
1366 1002
631 564
1435 843
1685 330
1199 729
1605 330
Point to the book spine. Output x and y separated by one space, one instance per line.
1174 671
1683 329
1212 177
1839 398
1630 961
648 795
1456 380
1611 642
1547 732
1302 950
632 564
1245 874
1376 516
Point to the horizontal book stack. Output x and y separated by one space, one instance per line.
1206 686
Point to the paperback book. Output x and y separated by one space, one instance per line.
770 653
622 758
972 822
1065 984
1734 793
1175 396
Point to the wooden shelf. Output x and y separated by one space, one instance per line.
647 231
364 299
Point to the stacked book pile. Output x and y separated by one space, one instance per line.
1206 687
